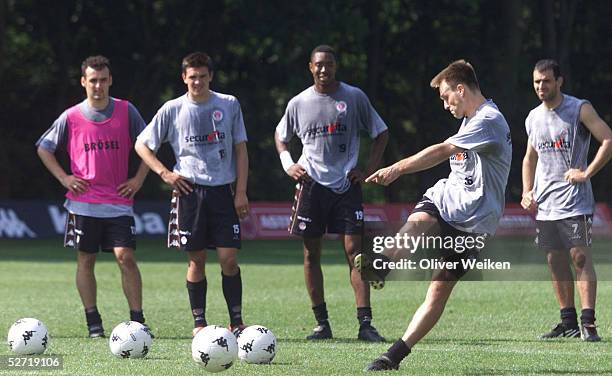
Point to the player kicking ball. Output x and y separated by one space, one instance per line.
460 205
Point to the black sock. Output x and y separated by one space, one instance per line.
587 316
92 316
320 312
398 351
232 291
137 316
197 300
364 316
569 318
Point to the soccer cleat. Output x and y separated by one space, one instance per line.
374 277
369 333
236 329
562 330
382 363
148 330
588 333
321 332
96 331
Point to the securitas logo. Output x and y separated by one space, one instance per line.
559 144
101 145
332 129
463 156
210 138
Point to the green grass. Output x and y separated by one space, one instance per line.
489 328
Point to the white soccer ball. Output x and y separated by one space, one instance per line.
28 336
215 348
256 345
130 339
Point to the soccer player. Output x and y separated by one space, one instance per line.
327 118
556 183
468 203
206 132
98 134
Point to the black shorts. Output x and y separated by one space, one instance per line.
90 234
317 210
204 218
564 234
449 255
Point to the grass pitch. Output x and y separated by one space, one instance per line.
489 328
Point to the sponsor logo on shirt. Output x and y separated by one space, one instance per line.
559 145
463 156
332 129
210 138
101 145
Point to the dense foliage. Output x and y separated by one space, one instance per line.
389 48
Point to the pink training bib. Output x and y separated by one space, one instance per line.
99 153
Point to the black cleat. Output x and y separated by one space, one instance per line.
382 363
364 263
588 333
320 332
561 330
237 329
148 330
96 331
369 333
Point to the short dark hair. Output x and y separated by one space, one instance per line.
457 72
548 64
197 60
323 48
97 62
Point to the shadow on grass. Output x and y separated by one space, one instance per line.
267 252
540 372
329 341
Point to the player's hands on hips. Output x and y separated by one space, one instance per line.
241 203
356 176
74 184
129 188
297 172
384 176
575 176
527 201
179 183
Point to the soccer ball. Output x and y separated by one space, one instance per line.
28 336
130 339
256 345
214 348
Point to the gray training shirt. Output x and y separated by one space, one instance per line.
471 199
57 137
328 126
202 136
561 142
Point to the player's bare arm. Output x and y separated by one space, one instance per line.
423 160
530 162
376 153
179 183
70 182
602 133
129 188
295 170
241 201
